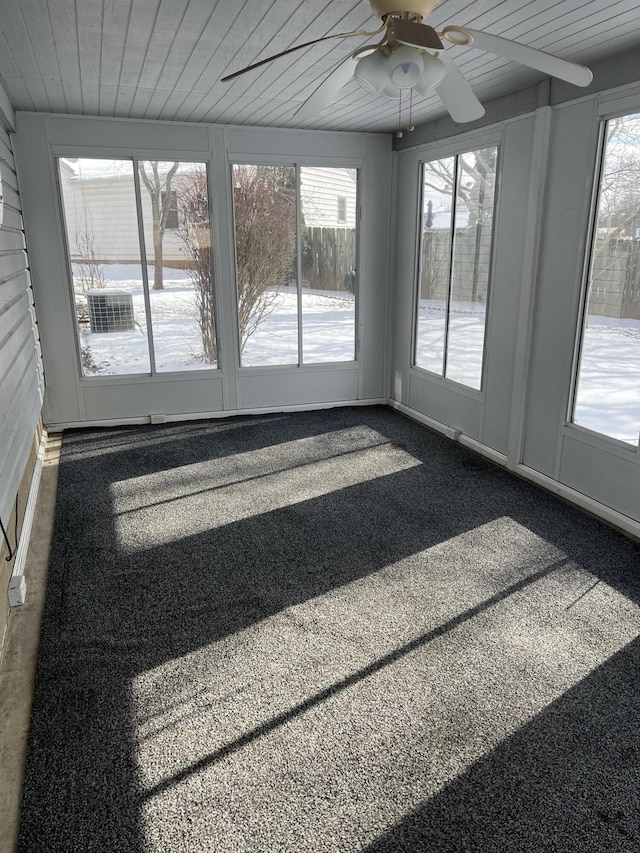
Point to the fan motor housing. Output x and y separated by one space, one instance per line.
420 8
414 34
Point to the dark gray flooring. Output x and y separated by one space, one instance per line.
328 631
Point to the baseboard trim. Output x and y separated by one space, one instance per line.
448 431
225 413
483 450
611 516
616 519
17 583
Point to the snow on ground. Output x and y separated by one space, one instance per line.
608 394
465 341
328 330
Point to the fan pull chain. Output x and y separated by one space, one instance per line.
410 126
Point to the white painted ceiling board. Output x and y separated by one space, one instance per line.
163 59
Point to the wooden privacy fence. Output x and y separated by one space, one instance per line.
615 278
328 258
471 263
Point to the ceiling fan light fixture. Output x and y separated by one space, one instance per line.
391 91
372 73
433 74
405 67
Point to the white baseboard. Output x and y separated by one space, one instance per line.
225 413
450 432
592 506
18 584
623 522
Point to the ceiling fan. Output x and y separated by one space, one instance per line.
411 57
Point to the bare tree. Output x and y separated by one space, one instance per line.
159 187
265 226
473 186
89 270
193 229
476 179
619 201
615 266
265 231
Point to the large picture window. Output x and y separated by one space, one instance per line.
295 264
607 387
141 305
456 228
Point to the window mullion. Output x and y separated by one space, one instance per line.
299 264
454 201
143 265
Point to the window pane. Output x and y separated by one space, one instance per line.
607 396
102 232
471 265
437 204
266 263
175 211
329 208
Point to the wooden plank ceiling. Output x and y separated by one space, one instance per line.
163 59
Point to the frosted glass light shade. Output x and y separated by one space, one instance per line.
433 73
405 67
371 72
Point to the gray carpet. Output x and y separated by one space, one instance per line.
328 631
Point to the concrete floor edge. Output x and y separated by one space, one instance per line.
20 657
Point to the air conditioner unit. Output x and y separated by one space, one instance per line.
110 310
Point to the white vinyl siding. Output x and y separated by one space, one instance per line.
101 205
21 378
320 189
97 205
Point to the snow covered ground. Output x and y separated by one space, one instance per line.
608 395
465 341
328 329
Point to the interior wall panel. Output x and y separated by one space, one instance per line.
74 400
266 390
20 368
611 478
483 416
114 402
602 469
570 179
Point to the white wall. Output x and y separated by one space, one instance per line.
21 380
520 418
72 399
602 468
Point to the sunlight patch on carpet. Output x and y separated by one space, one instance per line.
158 508
418 671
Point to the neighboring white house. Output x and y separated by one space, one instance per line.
100 208
328 196
100 213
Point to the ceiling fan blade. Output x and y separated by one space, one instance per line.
457 95
299 47
538 59
327 91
